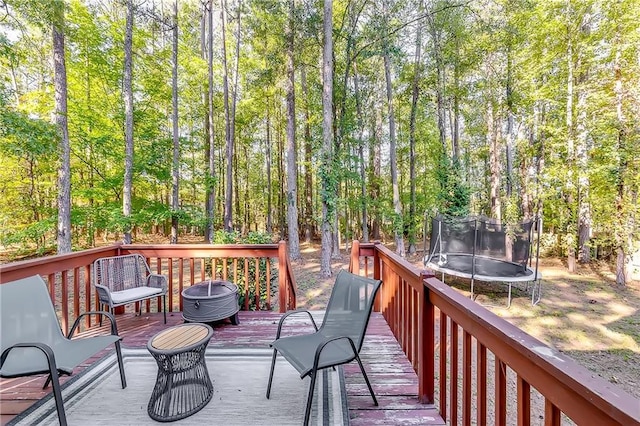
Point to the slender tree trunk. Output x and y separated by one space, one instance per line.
582 151
511 136
210 172
175 202
494 162
569 184
398 226
60 118
308 175
440 82
269 184
228 199
328 198
623 232
128 121
292 149
455 131
415 93
376 174
363 169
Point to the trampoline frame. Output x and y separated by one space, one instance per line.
533 275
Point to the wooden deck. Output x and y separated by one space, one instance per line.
393 379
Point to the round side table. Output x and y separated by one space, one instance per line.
183 386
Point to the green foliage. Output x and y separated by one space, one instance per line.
454 194
267 289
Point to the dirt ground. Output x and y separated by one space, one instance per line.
584 315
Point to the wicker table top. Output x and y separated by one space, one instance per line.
180 337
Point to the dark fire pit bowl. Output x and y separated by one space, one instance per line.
210 301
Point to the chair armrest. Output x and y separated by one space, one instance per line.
288 314
104 294
324 343
157 281
76 323
46 349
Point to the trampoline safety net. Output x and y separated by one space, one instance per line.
480 237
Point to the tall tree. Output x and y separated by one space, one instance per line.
210 151
327 176
308 174
415 93
292 163
228 198
398 225
175 183
64 150
127 94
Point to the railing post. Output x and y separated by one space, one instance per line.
377 274
354 261
426 344
283 288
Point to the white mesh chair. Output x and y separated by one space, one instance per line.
125 279
31 341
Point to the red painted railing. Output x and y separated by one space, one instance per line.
466 357
69 275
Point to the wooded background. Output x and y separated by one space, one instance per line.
332 120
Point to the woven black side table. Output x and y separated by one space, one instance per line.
183 386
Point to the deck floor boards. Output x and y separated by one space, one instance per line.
392 377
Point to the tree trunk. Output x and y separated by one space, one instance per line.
128 121
210 151
570 187
292 171
440 85
328 197
623 234
398 226
228 199
308 174
582 151
415 93
511 136
268 165
60 118
494 163
363 169
374 181
175 203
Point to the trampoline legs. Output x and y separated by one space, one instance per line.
536 284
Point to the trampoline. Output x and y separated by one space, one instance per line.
482 249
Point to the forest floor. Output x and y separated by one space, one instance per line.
585 315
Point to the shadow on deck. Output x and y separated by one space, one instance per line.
392 376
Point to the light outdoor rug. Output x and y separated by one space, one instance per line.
239 376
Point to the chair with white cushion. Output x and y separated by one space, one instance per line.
125 279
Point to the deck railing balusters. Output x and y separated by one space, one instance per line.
481 383
466 378
524 402
442 368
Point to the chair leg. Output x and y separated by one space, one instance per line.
366 379
312 386
46 383
164 307
57 395
123 379
273 365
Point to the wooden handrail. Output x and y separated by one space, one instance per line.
69 276
416 304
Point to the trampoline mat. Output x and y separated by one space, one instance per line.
486 269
